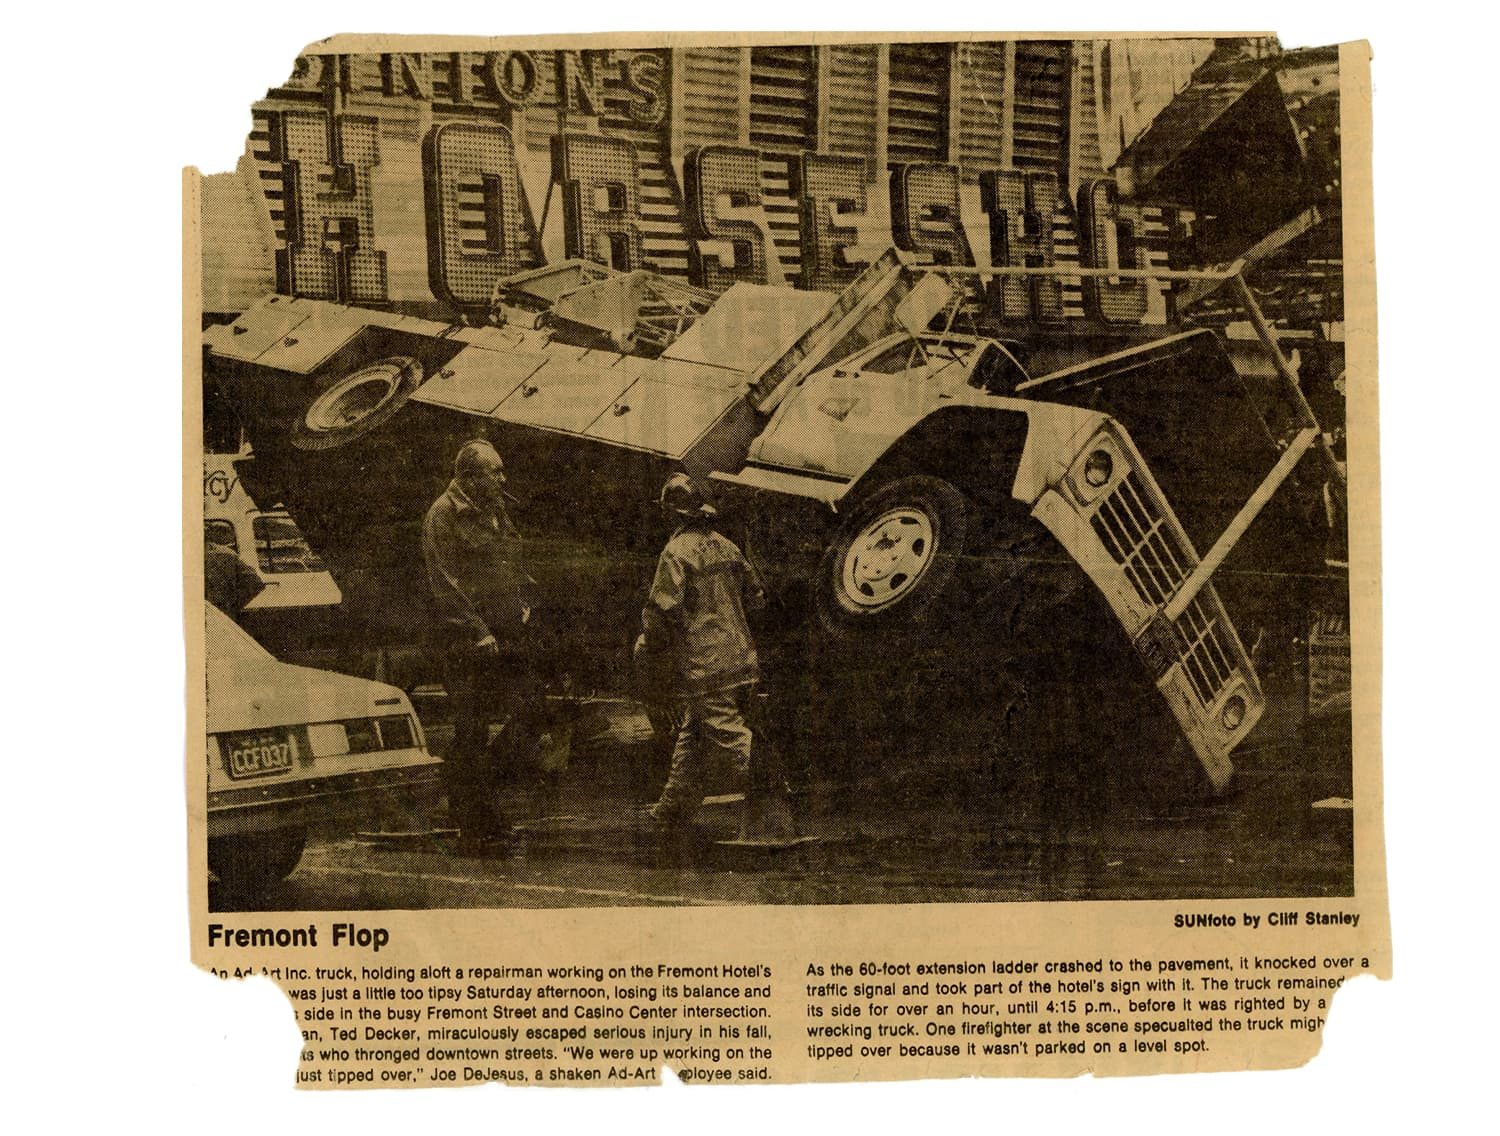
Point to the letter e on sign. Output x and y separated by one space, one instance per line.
826 185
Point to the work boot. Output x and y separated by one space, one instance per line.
661 818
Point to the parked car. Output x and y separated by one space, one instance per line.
266 539
292 749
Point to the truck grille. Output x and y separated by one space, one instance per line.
1131 528
1204 660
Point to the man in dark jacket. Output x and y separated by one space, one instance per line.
480 591
695 613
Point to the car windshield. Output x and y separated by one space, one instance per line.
997 371
220 532
281 547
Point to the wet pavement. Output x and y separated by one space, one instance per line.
940 825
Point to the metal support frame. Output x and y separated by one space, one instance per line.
1200 575
1310 433
1305 415
1081 270
1212 279
1309 219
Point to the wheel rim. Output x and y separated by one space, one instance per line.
888 558
355 398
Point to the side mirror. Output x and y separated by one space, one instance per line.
929 296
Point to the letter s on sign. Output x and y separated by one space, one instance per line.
726 217
643 78
925 212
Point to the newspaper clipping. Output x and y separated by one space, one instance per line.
788 558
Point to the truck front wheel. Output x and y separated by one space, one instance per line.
893 558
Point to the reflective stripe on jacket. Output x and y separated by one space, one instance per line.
696 609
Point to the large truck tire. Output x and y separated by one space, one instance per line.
356 403
891 561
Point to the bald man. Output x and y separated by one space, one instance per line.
480 590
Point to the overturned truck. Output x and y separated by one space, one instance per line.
901 484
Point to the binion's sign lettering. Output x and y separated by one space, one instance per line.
491 208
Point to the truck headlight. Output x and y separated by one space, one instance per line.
1233 713
1098 468
1094 468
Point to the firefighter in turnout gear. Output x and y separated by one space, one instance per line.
695 617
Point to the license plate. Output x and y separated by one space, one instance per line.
261 754
1158 645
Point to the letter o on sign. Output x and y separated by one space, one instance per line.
514 74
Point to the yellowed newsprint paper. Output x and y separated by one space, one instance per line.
787 558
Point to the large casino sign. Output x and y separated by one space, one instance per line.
782 242
420 177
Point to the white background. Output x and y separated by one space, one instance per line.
96 834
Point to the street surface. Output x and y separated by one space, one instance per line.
939 826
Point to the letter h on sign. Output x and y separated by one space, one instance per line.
1020 205
330 228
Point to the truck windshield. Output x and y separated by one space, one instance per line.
908 355
997 371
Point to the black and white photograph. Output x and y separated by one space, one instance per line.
995 774
843 471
